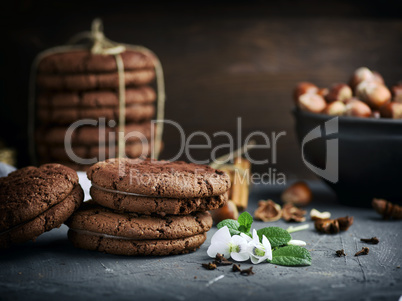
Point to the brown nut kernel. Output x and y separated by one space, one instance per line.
345 222
364 74
357 108
227 211
397 93
313 103
391 110
387 209
339 92
291 213
317 215
268 211
323 92
298 194
328 226
336 108
374 94
303 88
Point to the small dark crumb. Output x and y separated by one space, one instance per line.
195 277
340 253
236 268
220 260
275 267
363 251
374 240
398 266
247 272
209 266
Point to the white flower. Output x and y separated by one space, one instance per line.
229 246
295 242
259 252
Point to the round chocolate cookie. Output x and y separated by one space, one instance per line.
122 246
93 81
161 206
35 200
159 178
83 61
65 116
92 135
97 219
96 99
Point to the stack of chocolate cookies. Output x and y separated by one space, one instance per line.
78 85
34 200
144 207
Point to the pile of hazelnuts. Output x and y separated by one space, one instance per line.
365 96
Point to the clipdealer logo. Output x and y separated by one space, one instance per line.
331 170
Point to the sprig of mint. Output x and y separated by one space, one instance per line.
291 256
278 238
242 225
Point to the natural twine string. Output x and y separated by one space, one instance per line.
104 46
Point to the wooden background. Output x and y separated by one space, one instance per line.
221 61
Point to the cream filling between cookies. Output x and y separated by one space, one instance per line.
80 231
126 193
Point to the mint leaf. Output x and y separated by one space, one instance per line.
276 236
245 220
232 224
291 256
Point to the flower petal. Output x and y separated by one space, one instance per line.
246 237
222 235
219 247
295 242
266 243
241 256
255 236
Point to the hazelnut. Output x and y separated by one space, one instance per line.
317 215
374 94
357 108
387 209
391 110
397 93
227 211
328 226
312 103
323 92
339 92
376 114
268 211
291 213
336 108
364 74
303 88
298 194
345 222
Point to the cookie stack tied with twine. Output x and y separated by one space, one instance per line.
94 101
144 207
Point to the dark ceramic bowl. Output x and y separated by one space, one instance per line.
370 156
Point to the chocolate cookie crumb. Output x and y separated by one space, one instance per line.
340 253
363 251
374 240
236 268
209 266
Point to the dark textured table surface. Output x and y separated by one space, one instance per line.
51 268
